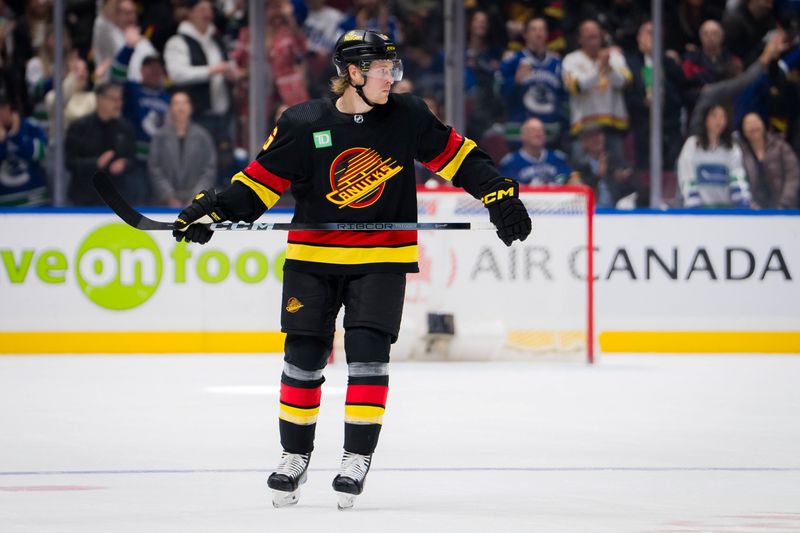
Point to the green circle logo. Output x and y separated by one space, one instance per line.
118 267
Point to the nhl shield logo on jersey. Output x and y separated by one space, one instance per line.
358 177
294 305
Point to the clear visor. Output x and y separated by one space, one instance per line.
386 70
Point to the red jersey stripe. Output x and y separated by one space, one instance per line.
354 238
300 397
453 142
262 175
372 394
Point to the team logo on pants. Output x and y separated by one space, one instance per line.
358 177
294 305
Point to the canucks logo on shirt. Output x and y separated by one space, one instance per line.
540 94
550 167
712 174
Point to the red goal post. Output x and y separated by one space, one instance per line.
533 299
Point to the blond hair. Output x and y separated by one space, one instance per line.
339 84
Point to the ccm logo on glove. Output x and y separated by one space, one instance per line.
498 195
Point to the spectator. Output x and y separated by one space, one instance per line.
79 22
102 140
711 63
321 28
79 100
607 173
285 50
424 21
595 76
533 164
39 75
29 32
710 171
424 64
22 152
482 62
142 49
197 63
113 38
745 27
7 13
161 20
639 97
685 21
107 34
727 91
370 15
12 65
286 46
773 171
182 159
775 93
622 20
517 14
532 83
146 104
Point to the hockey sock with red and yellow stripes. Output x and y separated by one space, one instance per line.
299 407
365 403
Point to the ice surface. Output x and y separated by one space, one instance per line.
185 444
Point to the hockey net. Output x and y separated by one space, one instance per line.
476 299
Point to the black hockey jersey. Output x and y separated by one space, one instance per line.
359 168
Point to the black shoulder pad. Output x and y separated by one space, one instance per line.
307 112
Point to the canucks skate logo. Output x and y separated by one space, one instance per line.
294 305
358 177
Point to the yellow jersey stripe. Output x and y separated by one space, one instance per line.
351 256
571 83
449 170
603 120
267 196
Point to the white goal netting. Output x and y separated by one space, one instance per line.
476 299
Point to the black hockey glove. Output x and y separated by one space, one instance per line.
205 203
506 211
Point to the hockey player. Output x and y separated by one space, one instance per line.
349 159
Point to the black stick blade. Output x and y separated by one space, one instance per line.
113 199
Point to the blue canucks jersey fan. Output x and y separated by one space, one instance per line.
533 164
532 84
22 152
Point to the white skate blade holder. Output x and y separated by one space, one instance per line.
284 499
346 501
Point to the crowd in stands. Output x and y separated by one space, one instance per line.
557 92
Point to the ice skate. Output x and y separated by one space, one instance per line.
285 481
349 482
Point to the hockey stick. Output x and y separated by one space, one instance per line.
113 199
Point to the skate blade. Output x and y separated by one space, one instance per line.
284 499
346 501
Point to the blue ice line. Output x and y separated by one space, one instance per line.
415 469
